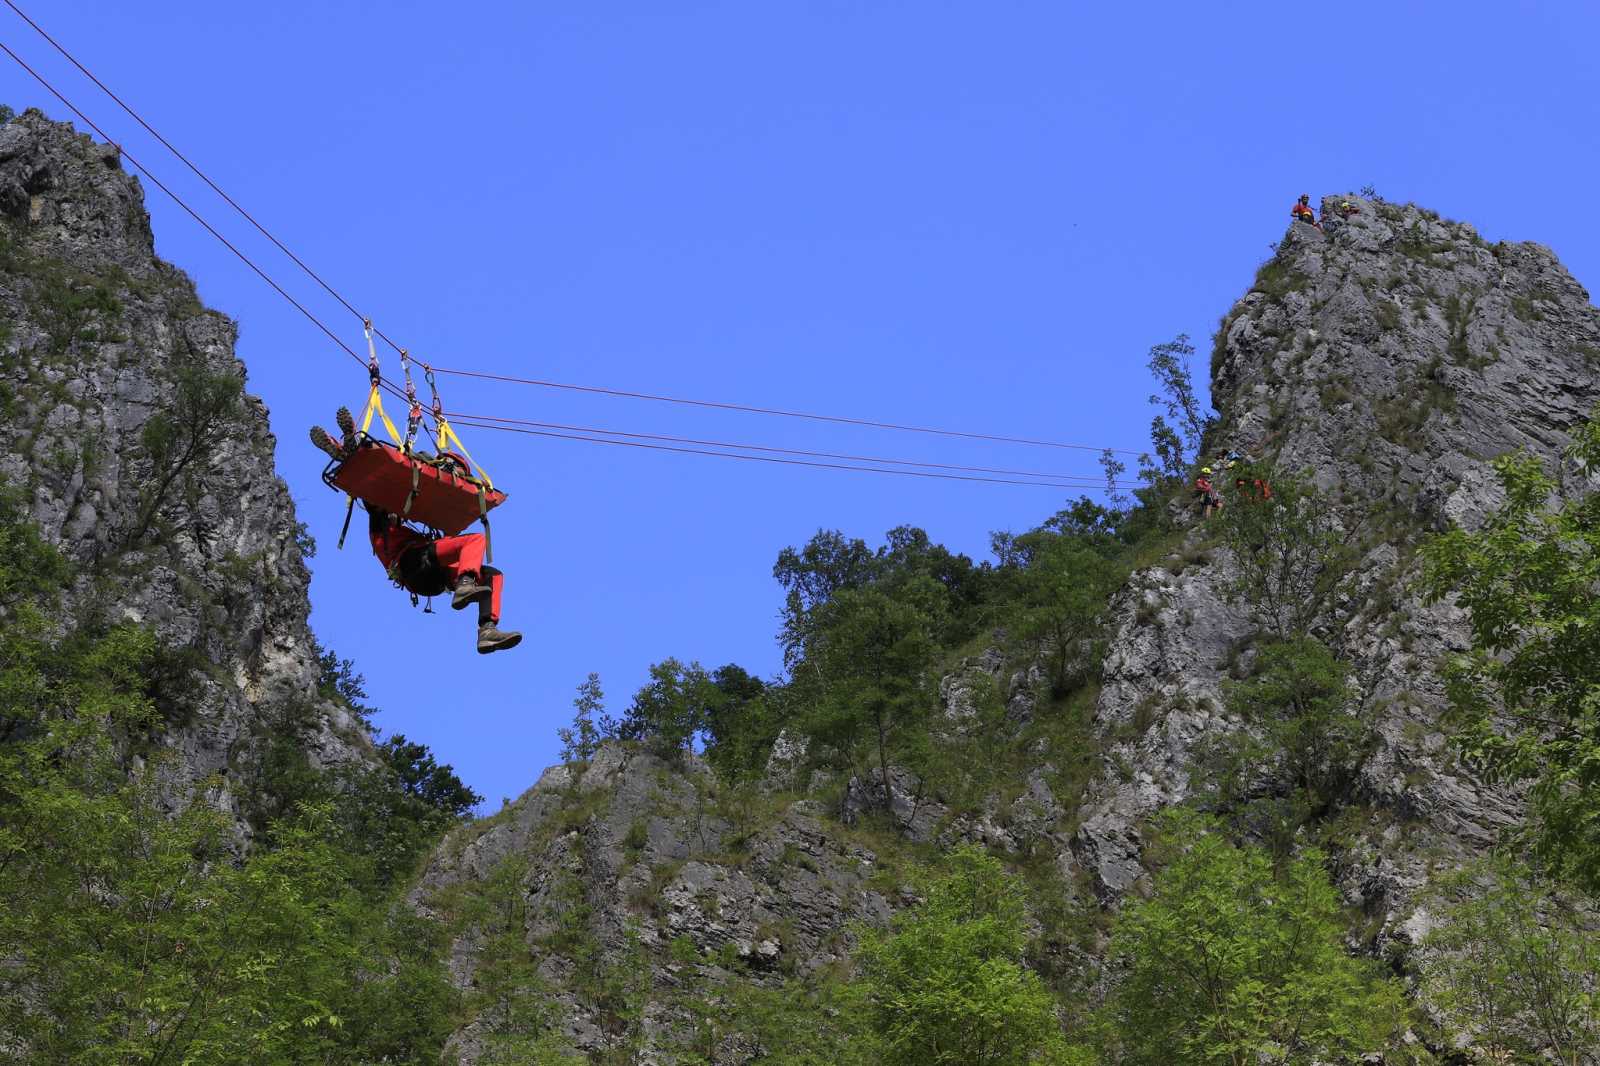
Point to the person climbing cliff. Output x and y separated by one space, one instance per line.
431 566
1302 212
1206 494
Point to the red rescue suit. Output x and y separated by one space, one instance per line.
429 566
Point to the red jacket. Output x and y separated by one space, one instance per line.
1300 210
1201 484
389 542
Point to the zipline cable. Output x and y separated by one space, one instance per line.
768 458
395 391
348 306
479 420
318 278
841 419
157 182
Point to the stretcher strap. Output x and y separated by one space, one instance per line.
447 435
348 511
416 483
375 406
483 516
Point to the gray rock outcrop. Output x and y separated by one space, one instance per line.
99 341
1391 358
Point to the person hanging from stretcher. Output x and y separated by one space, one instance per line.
425 564
431 566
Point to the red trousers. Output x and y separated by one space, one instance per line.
464 555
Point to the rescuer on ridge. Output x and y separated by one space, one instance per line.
1302 212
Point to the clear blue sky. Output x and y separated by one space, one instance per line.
973 215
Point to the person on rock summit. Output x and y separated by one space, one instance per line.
1302 212
426 565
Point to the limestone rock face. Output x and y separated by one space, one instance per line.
1391 358
635 869
96 337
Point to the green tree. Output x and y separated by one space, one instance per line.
420 776
1300 696
829 563
1227 963
741 724
946 986
1291 554
132 929
581 739
204 400
338 679
670 711
1177 441
811 1022
872 653
1526 697
132 933
1058 597
1510 963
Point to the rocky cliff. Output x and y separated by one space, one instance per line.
624 900
1389 359
135 450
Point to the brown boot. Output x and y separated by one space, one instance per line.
347 426
322 439
468 591
492 639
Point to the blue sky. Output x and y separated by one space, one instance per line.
968 215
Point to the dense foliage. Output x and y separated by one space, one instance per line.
946 986
1511 960
1527 695
1234 963
135 924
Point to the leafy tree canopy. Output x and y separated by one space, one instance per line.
1526 697
1229 963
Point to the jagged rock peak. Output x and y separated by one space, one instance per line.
1397 352
1392 355
107 354
73 196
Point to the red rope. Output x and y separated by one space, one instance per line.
393 344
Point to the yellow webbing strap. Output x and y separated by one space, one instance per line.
447 435
375 406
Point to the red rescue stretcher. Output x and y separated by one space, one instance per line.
438 492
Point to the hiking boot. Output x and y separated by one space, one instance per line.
347 426
468 591
491 639
323 440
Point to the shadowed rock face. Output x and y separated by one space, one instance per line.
95 335
621 865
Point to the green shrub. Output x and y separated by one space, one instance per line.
1228 962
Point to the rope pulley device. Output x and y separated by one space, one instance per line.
446 491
